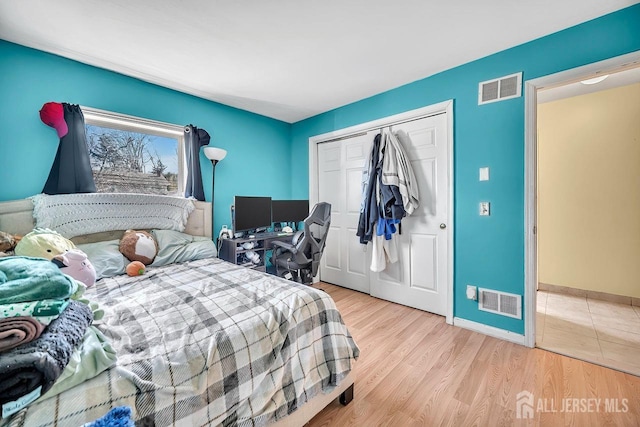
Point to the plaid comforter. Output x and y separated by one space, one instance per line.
207 343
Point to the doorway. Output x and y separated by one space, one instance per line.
422 276
580 261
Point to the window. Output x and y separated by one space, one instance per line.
134 155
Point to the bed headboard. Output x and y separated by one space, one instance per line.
16 217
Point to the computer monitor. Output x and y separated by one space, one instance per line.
289 210
251 213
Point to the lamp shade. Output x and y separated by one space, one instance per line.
215 153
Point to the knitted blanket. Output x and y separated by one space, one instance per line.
38 364
78 214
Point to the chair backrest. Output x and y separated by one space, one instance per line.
314 238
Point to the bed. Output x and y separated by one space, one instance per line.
204 342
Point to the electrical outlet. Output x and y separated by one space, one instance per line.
472 293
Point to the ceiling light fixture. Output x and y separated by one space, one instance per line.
594 80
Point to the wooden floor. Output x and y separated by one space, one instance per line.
415 370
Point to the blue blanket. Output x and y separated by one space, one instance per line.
120 416
32 279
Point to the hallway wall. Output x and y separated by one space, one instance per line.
589 191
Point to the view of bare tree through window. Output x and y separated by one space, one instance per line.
132 162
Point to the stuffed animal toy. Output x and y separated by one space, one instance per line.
139 246
75 263
8 243
135 268
43 243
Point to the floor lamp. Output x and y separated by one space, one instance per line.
215 155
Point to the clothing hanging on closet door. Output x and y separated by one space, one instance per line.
384 252
389 193
369 204
397 172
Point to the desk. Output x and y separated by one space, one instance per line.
237 250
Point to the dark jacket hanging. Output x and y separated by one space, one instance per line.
370 211
71 170
381 202
194 138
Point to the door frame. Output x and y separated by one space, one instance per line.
530 180
445 107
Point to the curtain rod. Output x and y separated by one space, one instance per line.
119 118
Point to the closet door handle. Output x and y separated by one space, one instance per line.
443 226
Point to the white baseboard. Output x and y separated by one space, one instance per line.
489 330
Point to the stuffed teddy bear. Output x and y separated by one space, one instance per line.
75 263
8 243
43 243
139 246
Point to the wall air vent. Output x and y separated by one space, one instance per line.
506 87
500 303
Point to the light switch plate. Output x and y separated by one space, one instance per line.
484 174
484 208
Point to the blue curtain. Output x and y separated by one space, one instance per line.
194 139
71 170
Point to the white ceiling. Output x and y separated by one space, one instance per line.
286 59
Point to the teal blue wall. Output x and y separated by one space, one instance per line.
489 251
29 78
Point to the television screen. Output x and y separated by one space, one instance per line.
251 213
289 210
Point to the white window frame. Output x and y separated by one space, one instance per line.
108 119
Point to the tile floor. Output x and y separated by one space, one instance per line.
596 331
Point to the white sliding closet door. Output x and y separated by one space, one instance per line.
420 278
340 164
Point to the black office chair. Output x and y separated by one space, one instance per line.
299 261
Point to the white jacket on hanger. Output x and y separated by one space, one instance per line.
397 170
